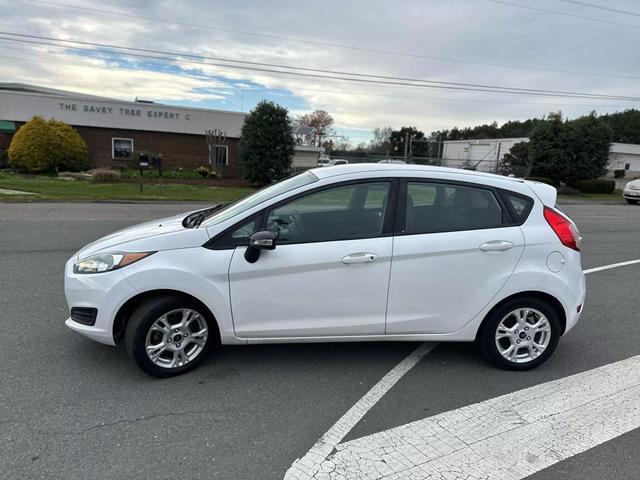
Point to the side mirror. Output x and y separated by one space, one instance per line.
262 240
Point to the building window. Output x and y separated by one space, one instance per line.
121 148
219 155
627 166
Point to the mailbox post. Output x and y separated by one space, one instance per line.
143 162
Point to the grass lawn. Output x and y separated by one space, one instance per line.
616 196
52 188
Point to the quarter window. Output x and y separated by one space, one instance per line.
520 205
121 148
339 213
435 207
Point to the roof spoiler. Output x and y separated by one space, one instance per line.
546 193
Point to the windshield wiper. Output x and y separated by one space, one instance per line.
194 219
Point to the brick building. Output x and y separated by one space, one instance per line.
117 131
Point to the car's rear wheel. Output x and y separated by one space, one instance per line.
170 335
632 202
520 334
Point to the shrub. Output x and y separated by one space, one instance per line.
203 171
72 152
595 186
32 148
42 146
105 176
619 173
548 181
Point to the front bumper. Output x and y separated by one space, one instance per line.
105 291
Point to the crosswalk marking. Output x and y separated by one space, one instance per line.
504 438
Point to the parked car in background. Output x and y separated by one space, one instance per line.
324 162
339 161
631 192
476 257
392 160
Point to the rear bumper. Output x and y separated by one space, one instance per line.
572 313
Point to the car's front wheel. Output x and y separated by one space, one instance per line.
170 335
632 202
521 334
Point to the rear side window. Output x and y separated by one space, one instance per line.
438 207
520 205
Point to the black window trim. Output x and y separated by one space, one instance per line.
388 223
401 212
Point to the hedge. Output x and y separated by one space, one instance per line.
595 186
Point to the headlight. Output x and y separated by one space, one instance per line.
105 262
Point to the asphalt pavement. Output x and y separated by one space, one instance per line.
71 408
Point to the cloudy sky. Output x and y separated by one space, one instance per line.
558 45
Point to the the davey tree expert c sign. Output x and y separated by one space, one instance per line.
123 111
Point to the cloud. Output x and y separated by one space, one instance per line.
467 41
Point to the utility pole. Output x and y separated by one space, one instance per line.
498 156
406 145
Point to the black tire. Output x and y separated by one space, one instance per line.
631 202
141 321
487 335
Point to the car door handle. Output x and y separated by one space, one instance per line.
496 246
359 258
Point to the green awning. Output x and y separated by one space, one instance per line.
7 127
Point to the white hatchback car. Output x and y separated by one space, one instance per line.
352 253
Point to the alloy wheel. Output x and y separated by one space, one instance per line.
176 338
523 335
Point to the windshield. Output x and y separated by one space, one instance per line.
260 196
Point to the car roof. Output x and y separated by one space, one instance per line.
391 169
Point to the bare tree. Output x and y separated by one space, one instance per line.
381 142
320 124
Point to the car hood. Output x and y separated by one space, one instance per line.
163 234
633 183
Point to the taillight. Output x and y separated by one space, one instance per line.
564 229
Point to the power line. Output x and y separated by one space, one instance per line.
342 92
602 7
564 14
307 72
329 44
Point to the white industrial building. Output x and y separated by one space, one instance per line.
482 154
624 156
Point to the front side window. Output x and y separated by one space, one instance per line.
121 148
237 208
436 207
338 213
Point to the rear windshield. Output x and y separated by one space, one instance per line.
261 196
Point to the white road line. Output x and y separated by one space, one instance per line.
307 466
504 438
311 464
613 265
